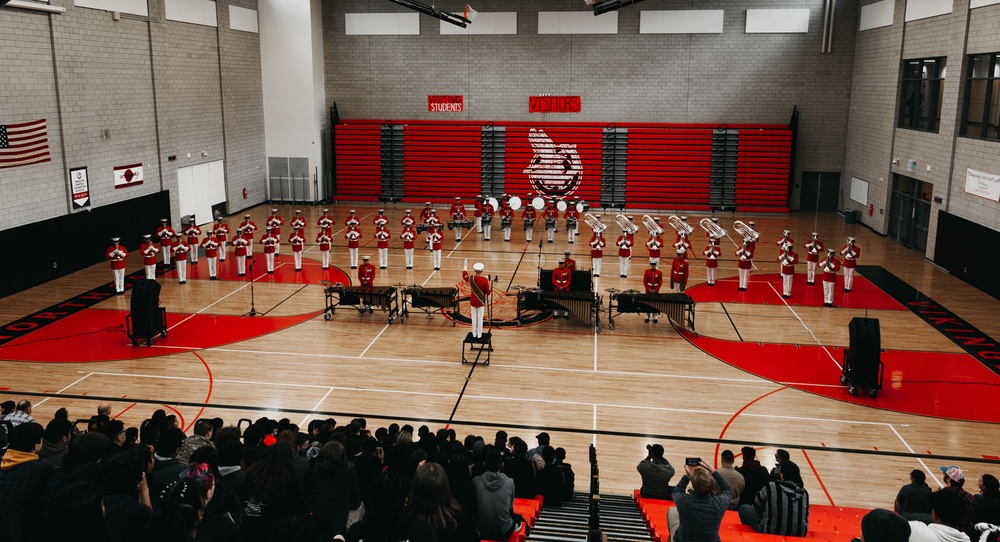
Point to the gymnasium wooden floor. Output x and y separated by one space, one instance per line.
619 389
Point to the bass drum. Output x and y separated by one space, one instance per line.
493 201
514 202
582 207
538 203
561 206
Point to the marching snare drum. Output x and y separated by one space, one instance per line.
529 224
505 223
550 223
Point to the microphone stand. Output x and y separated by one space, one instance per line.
253 310
538 280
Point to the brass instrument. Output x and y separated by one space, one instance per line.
747 232
652 225
594 223
712 228
679 225
625 224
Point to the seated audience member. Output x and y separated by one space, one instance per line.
77 513
521 470
430 500
656 473
780 507
115 431
570 486
166 467
948 509
494 499
332 491
535 454
178 513
755 476
127 504
550 480
460 479
954 481
55 442
884 526
216 523
697 515
230 457
81 461
987 504
23 479
918 507
918 482
735 479
21 414
386 519
780 457
274 502
226 502
203 431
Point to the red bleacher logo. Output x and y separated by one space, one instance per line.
554 170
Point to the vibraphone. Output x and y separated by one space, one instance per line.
452 224
384 297
584 305
429 299
679 308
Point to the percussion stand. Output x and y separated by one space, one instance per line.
253 311
538 280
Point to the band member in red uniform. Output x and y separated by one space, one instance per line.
712 254
117 254
572 217
570 262
597 244
240 251
624 244
529 215
380 219
788 259
148 251
712 239
435 238
480 292
366 276
249 229
477 214
181 249
275 222
652 280
851 253
551 215
325 240
506 219
353 236
425 213
679 272
211 247
830 266
408 235
744 265
298 243
680 235
786 240
382 240
487 219
192 231
813 250
352 219
682 242
407 220
433 220
222 236
561 279
166 236
270 243
458 215
300 221
752 240
325 221
654 245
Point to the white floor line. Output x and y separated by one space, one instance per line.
315 408
595 352
81 379
815 338
933 475
365 351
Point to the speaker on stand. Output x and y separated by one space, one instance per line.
146 319
862 365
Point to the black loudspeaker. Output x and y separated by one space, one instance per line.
147 318
865 347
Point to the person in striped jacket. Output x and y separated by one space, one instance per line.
781 507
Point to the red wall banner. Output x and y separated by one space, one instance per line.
446 103
554 104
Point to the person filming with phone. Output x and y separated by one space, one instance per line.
698 513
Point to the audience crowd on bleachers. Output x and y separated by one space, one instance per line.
95 479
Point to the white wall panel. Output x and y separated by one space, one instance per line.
923 9
498 22
981 3
382 24
192 11
134 7
691 21
777 21
577 22
243 19
878 14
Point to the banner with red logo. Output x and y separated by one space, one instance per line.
554 104
79 187
446 103
554 161
128 175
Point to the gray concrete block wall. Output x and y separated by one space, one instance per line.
731 77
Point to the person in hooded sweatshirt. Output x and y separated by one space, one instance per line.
948 510
495 500
23 478
780 507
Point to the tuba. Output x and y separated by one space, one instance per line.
625 224
651 225
679 225
712 228
594 223
746 231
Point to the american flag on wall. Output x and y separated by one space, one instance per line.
23 144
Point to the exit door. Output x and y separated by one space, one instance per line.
820 191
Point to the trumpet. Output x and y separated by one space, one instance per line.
652 225
625 224
594 223
712 228
747 232
679 225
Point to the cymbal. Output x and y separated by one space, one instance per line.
518 287
612 290
631 291
534 290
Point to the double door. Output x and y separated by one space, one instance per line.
910 212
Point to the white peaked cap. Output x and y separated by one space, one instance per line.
478 266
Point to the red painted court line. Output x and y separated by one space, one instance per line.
5 389
211 382
993 457
124 411
733 417
820 480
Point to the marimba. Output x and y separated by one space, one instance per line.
452 224
430 299
583 305
678 308
384 297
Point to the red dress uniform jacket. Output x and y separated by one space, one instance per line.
149 254
813 249
457 211
654 245
407 236
166 235
221 232
624 244
248 228
192 233
551 212
366 274
788 267
407 220
479 209
480 283
830 270
325 222
571 213
240 245
652 279
274 222
570 264
597 244
352 237
117 256
712 256
851 255
211 247
679 271
436 239
181 251
745 259
352 221
425 213
529 212
300 222
297 241
488 209
380 220
561 278
270 242
382 236
324 240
